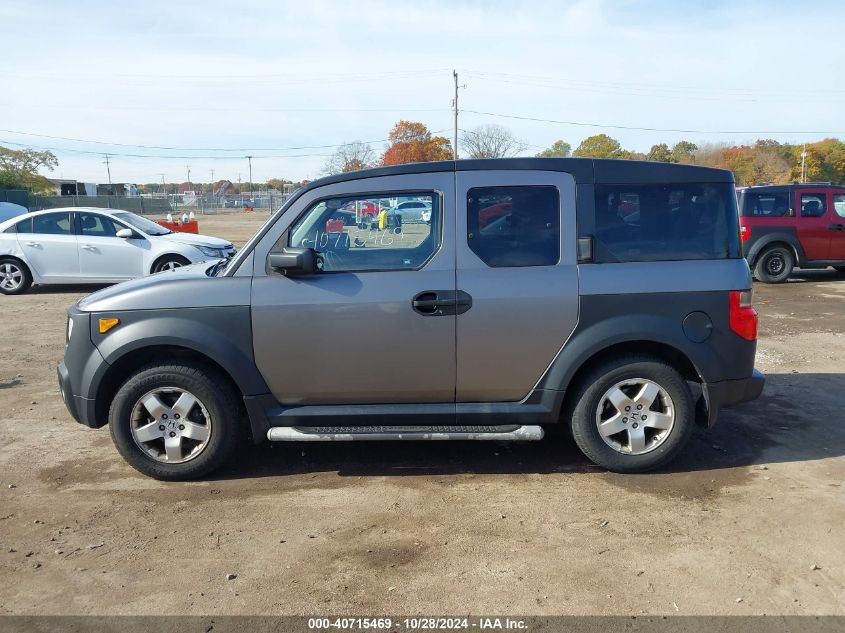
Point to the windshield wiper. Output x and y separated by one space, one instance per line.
220 265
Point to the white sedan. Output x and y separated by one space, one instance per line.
412 211
80 245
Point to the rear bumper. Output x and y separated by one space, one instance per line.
727 393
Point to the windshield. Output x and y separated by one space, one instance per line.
142 224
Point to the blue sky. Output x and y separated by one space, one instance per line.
264 78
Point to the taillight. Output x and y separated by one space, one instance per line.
743 317
744 232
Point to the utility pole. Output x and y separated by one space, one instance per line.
249 158
188 167
455 104
803 164
108 170
163 186
211 189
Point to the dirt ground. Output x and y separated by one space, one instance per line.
748 520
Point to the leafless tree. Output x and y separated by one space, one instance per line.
350 157
491 141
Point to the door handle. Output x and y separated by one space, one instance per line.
837 227
33 244
429 303
442 302
88 247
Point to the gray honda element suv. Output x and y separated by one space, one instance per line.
606 297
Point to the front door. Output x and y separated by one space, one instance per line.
102 255
377 325
515 244
49 246
813 224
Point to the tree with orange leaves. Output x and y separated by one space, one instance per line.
412 142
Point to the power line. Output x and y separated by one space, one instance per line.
644 86
648 129
189 149
159 156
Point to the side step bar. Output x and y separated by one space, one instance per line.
348 433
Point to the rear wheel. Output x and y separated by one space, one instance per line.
175 420
15 277
632 414
774 265
170 262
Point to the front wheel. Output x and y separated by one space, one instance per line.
774 266
632 414
169 262
175 421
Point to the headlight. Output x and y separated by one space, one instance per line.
69 328
210 252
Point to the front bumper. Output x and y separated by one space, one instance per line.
82 409
727 393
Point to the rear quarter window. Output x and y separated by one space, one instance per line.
643 223
766 205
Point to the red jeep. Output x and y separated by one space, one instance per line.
783 226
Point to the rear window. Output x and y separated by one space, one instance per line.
765 205
645 223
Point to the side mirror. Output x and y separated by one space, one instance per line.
126 234
296 261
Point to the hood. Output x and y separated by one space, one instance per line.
196 240
152 292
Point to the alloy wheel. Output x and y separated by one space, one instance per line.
635 416
11 276
171 425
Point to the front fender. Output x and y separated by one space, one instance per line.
223 334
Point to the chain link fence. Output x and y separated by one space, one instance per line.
153 205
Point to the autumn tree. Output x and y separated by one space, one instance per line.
277 183
412 142
558 149
601 146
19 169
350 157
491 141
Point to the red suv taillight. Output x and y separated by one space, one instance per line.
743 317
744 232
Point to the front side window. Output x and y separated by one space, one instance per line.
812 205
51 224
766 204
641 223
514 226
95 225
839 204
371 232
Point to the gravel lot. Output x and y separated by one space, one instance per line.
748 521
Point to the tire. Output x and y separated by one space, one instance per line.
137 432
15 277
169 262
774 265
627 375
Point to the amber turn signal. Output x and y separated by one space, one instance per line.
107 324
